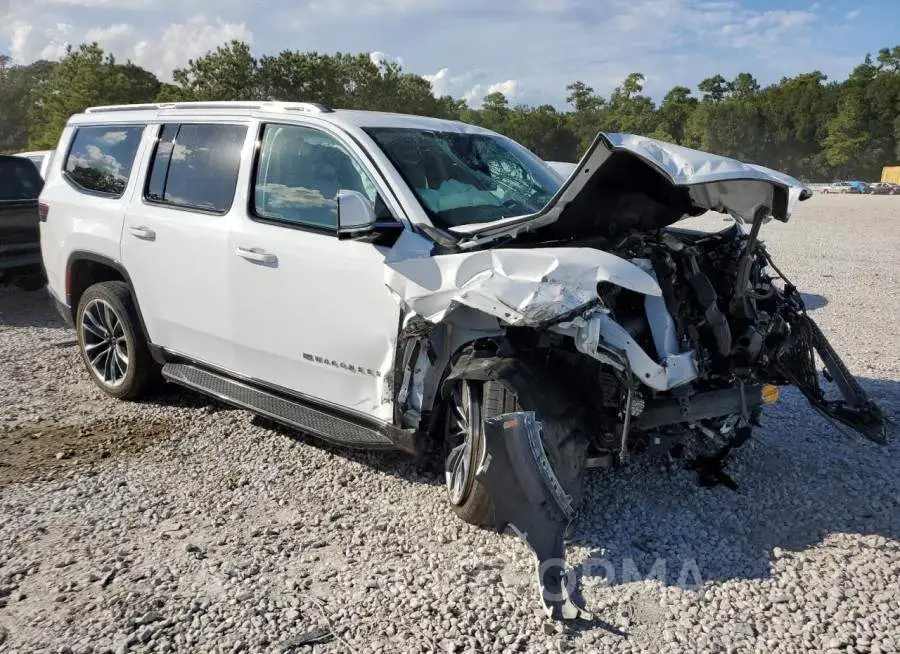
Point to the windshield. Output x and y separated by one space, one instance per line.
462 179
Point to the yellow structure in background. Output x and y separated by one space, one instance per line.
890 174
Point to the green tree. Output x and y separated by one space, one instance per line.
84 77
743 86
228 73
714 88
889 59
582 98
544 131
846 142
805 125
629 110
16 94
675 112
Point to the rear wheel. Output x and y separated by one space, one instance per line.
471 402
111 341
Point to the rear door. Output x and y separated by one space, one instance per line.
175 241
312 312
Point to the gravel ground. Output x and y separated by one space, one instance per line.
179 525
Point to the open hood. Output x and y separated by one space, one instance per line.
626 182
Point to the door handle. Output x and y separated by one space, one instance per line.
143 233
257 255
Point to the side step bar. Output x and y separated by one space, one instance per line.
292 413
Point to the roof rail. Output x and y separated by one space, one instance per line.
271 105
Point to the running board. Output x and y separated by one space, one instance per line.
292 413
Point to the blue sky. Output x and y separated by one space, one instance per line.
529 49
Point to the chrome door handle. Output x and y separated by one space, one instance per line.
143 233
257 255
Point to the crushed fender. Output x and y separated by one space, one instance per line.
529 499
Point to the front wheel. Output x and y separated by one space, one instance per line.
470 402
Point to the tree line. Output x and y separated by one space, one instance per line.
805 125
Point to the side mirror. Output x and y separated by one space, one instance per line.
356 214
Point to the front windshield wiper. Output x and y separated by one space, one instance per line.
439 236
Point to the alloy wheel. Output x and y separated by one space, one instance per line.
464 440
105 344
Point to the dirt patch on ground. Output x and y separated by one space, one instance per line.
47 451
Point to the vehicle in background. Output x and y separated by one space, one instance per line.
41 159
858 186
20 251
845 187
883 188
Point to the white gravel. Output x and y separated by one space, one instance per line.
179 525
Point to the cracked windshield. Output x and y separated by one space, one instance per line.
462 179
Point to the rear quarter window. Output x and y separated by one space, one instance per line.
101 157
19 179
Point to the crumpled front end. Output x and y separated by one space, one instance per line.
651 332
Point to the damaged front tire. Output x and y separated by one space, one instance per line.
481 389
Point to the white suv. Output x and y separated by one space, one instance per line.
389 281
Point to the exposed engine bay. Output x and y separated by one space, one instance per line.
658 332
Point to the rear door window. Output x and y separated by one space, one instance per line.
195 166
101 158
19 179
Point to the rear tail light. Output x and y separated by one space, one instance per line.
43 210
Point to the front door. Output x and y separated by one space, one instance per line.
311 312
175 241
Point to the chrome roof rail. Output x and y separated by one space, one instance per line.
270 105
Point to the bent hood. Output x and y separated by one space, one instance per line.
674 180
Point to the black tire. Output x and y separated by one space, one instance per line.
141 371
520 387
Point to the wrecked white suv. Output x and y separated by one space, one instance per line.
389 281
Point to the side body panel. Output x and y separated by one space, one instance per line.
80 221
178 262
318 321
312 313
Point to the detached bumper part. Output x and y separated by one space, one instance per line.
529 499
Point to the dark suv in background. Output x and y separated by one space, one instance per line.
20 250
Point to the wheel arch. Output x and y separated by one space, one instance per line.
84 269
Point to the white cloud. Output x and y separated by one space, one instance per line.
114 137
107 4
853 15
471 86
110 34
529 49
342 8
28 43
18 42
475 95
380 58
440 82
183 41
160 53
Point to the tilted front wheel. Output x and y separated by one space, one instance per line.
111 341
522 389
